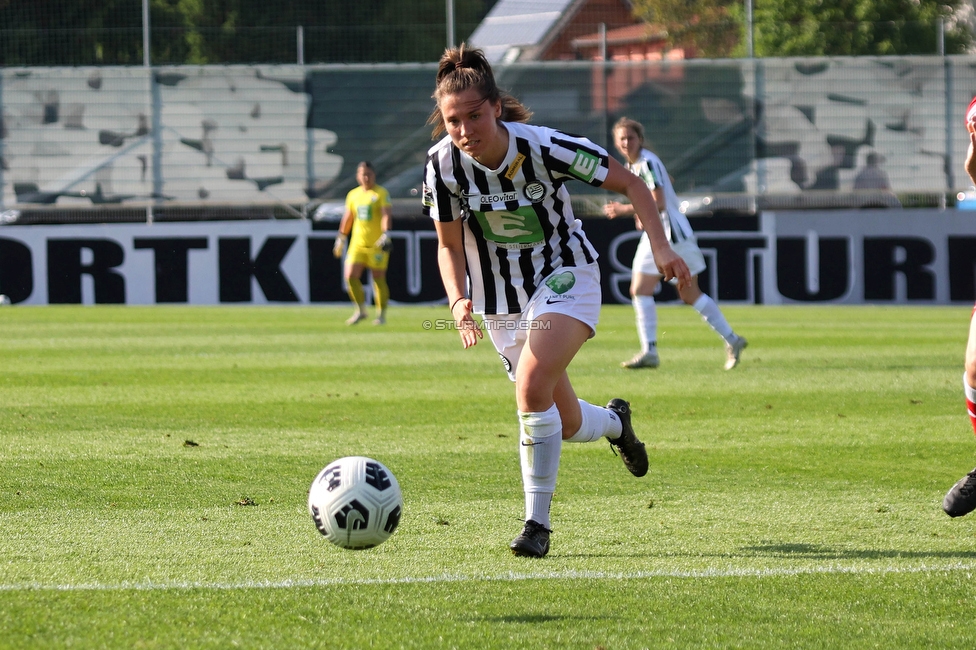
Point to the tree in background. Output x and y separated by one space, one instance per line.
109 32
716 28
704 28
35 32
857 27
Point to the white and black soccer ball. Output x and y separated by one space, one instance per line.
355 502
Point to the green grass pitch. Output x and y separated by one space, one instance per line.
155 462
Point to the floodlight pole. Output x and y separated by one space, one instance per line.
450 23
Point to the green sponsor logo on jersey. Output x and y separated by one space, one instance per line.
561 282
584 165
519 227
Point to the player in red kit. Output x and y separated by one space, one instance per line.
961 499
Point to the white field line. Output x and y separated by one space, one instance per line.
502 577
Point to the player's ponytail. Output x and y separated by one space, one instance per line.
462 68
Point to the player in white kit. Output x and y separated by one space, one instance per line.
511 249
628 138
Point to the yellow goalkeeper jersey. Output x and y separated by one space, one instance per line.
367 208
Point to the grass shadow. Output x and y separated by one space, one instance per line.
821 552
539 618
788 551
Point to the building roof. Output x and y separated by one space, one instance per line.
515 24
640 33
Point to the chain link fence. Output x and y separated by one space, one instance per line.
284 140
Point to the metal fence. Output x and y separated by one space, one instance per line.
280 140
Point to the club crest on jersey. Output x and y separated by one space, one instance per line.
584 165
464 204
535 191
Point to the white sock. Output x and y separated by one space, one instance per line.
969 390
645 309
597 422
712 315
540 443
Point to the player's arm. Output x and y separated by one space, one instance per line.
620 180
450 260
345 224
386 225
345 227
662 203
611 209
386 220
615 209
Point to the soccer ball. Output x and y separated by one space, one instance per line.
355 502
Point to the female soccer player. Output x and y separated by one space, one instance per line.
961 499
367 218
510 248
628 138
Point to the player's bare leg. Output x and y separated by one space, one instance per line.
961 499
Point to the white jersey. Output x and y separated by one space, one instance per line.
519 224
651 170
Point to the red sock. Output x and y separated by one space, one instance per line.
971 407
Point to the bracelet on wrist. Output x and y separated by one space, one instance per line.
454 304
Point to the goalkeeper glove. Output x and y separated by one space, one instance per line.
340 246
384 242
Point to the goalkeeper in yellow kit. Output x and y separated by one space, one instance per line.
365 225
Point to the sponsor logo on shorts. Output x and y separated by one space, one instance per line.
555 300
561 282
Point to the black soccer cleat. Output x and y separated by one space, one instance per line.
961 499
533 541
632 450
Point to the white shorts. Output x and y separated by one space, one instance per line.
688 251
574 291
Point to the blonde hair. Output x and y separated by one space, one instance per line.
462 68
627 123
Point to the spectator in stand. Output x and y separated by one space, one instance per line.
872 177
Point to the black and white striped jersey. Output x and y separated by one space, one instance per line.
519 224
651 170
